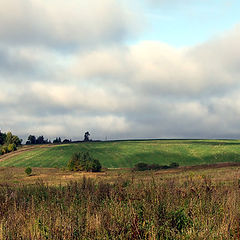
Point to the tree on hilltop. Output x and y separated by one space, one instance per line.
57 140
2 138
31 139
86 137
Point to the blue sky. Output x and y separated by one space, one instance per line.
120 69
184 23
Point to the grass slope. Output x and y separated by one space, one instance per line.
122 154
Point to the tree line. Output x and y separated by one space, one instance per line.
40 140
31 140
9 142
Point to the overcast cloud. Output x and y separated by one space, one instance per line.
67 67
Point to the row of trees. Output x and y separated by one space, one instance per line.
40 140
37 140
9 142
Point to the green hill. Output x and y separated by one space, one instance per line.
120 154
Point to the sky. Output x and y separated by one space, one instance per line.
120 69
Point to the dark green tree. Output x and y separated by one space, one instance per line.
82 161
86 137
16 140
40 140
9 139
2 138
32 139
57 140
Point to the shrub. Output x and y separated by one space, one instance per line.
174 165
154 167
82 161
28 171
4 149
12 147
144 166
141 167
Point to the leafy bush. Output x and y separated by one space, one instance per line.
82 161
174 165
28 171
141 167
4 149
12 147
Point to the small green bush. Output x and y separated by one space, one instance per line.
174 165
28 171
144 166
141 166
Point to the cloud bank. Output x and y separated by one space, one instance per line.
68 67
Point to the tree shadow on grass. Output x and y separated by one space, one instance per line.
166 158
215 143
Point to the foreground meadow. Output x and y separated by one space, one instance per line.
184 203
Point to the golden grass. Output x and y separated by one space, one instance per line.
185 203
224 173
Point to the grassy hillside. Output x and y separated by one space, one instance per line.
128 153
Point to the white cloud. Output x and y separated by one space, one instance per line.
157 68
64 24
147 89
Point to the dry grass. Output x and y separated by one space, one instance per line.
119 204
220 173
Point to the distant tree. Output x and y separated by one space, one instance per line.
86 137
16 140
40 140
57 140
32 139
9 138
66 141
8 142
12 139
2 138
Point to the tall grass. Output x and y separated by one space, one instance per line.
128 208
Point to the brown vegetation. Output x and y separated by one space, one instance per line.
187 204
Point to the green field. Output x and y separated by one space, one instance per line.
121 154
